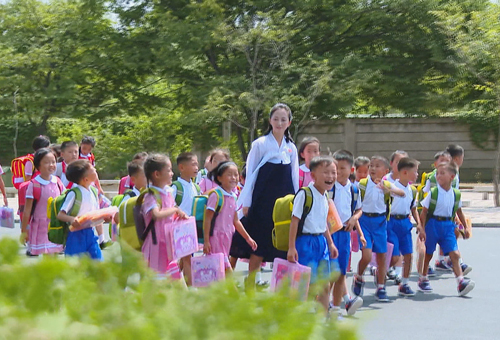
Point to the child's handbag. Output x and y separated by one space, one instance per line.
388 257
207 269
183 238
7 217
298 277
333 219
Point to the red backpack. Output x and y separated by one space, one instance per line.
37 192
17 166
91 158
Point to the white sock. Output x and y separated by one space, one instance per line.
405 280
380 286
399 271
460 261
441 257
346 298
101 238
423 277
258 276
459 279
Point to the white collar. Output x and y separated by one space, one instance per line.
225 193
311 185
344 187
85 156
180 179
304 168
163 191
42 181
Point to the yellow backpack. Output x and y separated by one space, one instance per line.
387 196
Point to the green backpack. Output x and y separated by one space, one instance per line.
433 202
199 208
387 196
57 229
431 177
180 191
130 214
118 199
282 217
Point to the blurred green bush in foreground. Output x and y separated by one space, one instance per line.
56 298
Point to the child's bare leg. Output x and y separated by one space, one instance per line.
324 297
381 269
421 257
455 257
366 257
186 269
233 261
427 260
395 260
338 290
407 265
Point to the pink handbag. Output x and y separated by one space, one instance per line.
299 277
183 239
207 269
388 256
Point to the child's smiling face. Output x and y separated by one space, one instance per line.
324 176
378 169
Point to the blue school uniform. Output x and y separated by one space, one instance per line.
399 226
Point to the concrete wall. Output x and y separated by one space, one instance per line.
420 137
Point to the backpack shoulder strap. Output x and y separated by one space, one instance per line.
308 202
354 198
362 187
157 195
37 190
179 192
220 199
414 195
458 196
198 189
75 209
433 201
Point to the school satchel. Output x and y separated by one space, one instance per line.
199 211
17 167
133 230
58 230
180 191
282 217
431 177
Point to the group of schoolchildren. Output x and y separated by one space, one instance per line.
374 199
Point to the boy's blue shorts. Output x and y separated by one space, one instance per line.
442 233
342 240
375 231
313 252
83 242
399 234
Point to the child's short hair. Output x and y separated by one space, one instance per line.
360 161
88 140
223 152
455 150
135 167
451 167
407 163
140 156
68 144
344 155
76 171
39 154
219 170
443 153
40 142
305 142
185 157
154 162
398 152
321 160
384 160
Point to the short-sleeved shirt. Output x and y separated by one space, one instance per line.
315 222
401 205
374 201
343 201
225 219
189 191
89 201
150 201
444 204
1 171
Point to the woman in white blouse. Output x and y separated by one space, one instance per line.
272 172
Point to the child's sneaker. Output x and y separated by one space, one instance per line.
382 295
431 272
391 273
442 265
405 290
424 286
465 269
352 306
357 286
465 286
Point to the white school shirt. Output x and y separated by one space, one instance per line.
343 200
401 205
427 186
315 222
373 202
444 204
266 149
389 178
39 179
187 197
89 201
62 175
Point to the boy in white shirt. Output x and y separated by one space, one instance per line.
439 209
313 246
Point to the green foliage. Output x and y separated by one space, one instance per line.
83 299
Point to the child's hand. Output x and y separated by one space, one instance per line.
334 253
292 255
252 243
207 248
75 224
181 214
23 239
466 233
351 223
5 202
421 233
363 241
382 187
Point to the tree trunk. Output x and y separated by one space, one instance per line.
241 143
496 174
43 125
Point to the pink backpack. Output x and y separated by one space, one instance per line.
37 192
301 177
